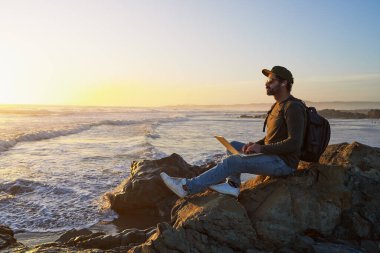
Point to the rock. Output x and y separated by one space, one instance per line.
331 206
334 248
246 116
335 114
374 114
337 198
93 240
85 239
7 239
136 236
206 222
145 193
370 246
281 208
67 236
59 248
355 155
19 186
362 163
303 243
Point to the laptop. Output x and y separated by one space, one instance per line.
229 147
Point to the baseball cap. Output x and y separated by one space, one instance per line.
281 72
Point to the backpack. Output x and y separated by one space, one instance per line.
317 135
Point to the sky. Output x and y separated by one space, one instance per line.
174 52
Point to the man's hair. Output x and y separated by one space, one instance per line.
288 84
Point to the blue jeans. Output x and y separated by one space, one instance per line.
232 166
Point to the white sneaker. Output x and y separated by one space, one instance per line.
175 184
225 188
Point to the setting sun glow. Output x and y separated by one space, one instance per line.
129 53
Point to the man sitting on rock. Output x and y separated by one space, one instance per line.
277 154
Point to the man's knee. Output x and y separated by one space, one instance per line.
237 145
232 162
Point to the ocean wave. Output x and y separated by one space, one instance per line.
19 186
49 134
209 159
22 186
144 150
31 206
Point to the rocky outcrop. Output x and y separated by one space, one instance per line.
246 116
6 237
336 114
207 222
328 207
331 206
144 193
85 239
8 242
374 114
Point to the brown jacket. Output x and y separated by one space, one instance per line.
285 131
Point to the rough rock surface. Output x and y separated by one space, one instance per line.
6 237
333 206
85 239
7 241
207 222
144 192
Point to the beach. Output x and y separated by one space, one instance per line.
57 163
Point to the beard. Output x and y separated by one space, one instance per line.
273 90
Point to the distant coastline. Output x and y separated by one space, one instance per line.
335 114
363 106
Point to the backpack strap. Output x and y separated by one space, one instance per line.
266 118
298 100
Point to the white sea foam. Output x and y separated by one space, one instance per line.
49 134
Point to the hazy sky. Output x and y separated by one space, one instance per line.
148 53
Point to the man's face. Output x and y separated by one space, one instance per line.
272 85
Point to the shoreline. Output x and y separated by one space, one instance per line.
113 227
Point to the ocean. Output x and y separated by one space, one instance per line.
57 162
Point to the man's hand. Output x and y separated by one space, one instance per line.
253 148
244 148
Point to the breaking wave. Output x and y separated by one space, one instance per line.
49 134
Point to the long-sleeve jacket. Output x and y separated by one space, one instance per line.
285 132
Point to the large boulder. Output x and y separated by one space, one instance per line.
206 222
282 208
144 193
338 198
330 206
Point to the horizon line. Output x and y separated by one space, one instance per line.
179 105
